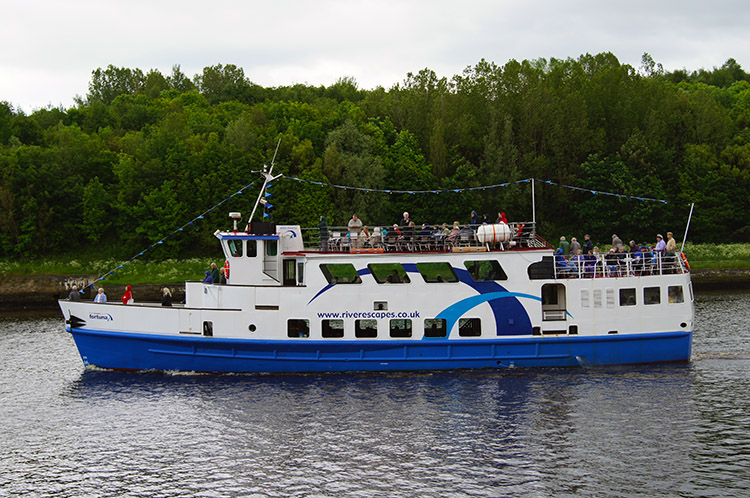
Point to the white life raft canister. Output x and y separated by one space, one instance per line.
489 234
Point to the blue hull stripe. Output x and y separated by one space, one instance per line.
128 351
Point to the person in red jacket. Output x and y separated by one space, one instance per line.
127 298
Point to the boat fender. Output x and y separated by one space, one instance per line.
684 260
226 269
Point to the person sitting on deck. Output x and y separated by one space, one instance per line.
393 278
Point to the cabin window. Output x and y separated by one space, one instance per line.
627 297
340 273
389 273
252 248
675 294
366 328
437 272
400 328
435 327
482 270
235 248
300 273
272 247
542 270
651 295
554 303
332 328
297 327
469 327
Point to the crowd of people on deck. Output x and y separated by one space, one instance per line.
575 259
405 234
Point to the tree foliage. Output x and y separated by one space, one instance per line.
144 152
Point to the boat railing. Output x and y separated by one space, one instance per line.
620 265
435 238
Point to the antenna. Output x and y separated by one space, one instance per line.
267 174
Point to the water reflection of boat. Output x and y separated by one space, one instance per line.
496 298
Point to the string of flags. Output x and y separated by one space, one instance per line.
471 189
172 234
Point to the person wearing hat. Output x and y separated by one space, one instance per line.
661 246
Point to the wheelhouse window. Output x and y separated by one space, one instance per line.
435 327
469 327
627 297
340 273
675 294
296 327
235 248
483 270
332 328
651 295
437 272
389 273
366 328
272 247
400 328
252 248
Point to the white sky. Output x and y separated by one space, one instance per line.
48 48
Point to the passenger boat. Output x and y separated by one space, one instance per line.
492 298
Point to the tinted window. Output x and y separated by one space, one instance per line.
485 270
340 273
437 272
389 273
469 327
297 328
651 295
366 328
627 297
332 328
434 327
400 328
675 294
235 248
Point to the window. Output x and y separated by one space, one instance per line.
434 327
675 294
332 328
400 328
272 247
437 272
340 273
365 328
469 327
389 273
627 297
252 248
235 248
296 327
300 273
485 270
651 295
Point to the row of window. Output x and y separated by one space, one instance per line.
629 296
394 273
251 248
397 328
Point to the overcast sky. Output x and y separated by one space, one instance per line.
48 48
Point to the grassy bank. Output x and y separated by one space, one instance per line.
175 271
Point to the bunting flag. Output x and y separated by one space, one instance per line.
472 189
161 241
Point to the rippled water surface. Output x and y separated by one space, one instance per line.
663 430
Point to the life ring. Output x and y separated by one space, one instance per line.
226 269
684 260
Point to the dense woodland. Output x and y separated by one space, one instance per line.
142 154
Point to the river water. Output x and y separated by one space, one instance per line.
658 430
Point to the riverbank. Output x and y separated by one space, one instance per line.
43 291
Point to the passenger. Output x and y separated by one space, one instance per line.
671 243
616 242
375 240
486 219
661 246
575 246
209 279
393 278
100 297
127 298
501 218
222 276
445 231
632 247
578 260
588 244
453 236
405 220
565 246
474 222
671 249
74 294
410 234
355 227
214 273
166 297
323 227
